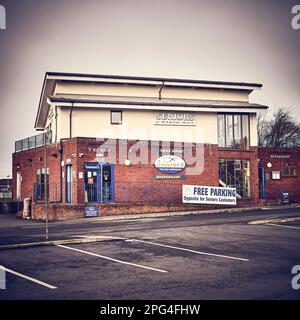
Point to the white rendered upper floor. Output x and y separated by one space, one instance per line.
138 108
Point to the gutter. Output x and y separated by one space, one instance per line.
55 124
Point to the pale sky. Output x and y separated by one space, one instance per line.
230 40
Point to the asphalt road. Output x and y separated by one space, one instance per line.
219 256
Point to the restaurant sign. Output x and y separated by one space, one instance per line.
169 164
280 156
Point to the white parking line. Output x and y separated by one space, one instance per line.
188 250
49 286
111 259
279 225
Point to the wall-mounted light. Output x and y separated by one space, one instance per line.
127 163
80 155
269 165
40 158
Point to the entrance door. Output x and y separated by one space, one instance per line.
99 182
91 181
107 183
262 183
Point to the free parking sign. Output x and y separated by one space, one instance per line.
208 195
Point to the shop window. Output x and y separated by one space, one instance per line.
233 131
116 117
289 171
235 174
275 175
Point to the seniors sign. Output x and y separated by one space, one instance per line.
208 195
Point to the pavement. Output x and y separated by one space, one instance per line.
212 256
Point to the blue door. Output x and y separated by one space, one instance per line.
262 183
99 182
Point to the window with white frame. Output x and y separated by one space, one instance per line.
116 117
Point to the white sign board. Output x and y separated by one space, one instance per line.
208 195
174 118
169 164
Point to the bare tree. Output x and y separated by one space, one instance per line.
280 131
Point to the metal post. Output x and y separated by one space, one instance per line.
45 182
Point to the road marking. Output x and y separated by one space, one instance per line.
114 260
279 225
49 286
188 250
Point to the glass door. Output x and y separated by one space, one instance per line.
99 182
107 183
91 185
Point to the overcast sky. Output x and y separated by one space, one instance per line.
232 40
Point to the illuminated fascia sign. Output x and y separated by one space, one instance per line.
174 118
208 195
169 164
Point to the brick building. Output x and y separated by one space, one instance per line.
5 188
120 142
279 174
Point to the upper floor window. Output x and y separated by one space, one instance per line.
233 131
116 117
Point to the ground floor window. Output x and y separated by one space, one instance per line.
235 173
42 179
289 171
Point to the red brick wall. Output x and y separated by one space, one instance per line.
76 211
285 184
27 162
144 175
143 185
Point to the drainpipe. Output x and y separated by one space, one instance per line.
71 120
60 168
160 90
55 124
